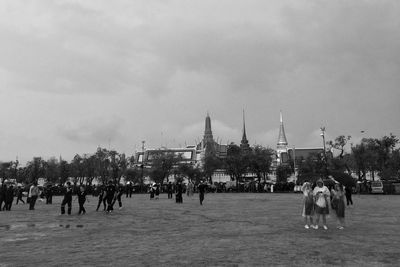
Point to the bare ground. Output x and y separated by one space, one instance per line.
228 230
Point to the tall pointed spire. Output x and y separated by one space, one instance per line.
244 144
207 130
208 139
282 141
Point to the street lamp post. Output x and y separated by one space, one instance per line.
325 159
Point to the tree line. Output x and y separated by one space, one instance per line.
374 156
377 156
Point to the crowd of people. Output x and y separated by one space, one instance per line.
319 199
108 195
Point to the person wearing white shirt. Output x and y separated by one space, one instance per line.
322 201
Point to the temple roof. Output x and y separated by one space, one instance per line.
282 137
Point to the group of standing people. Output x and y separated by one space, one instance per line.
108 196
317 202
178 189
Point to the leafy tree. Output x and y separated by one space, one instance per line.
312 166
162 165
89 168
211 163
77 170
35 169
190 172
64 171
282 173
102 164
134 175
260 161
236 163
341 162
51 170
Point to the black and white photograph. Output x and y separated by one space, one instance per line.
199 133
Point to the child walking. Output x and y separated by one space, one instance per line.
308 205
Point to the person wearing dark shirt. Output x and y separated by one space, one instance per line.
179 192
3 190
9 197
20 192
202 190
67 199
81 199
102 199
49 194
348 192
169 190
118 194
157 191
110 192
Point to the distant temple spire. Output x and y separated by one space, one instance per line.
208 139
282 141
282 145
207 131
244 144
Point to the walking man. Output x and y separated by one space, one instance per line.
169 190
33 195
202 190
348 191
110 192
20 192
81 199
67 199
102 198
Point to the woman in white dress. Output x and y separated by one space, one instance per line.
322 201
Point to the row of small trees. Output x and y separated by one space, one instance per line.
376 156
82 169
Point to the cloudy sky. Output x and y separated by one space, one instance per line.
75 75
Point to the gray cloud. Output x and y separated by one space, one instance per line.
146 68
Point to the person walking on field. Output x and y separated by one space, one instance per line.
169 190
202 190
3 190
118 194
308 205
322 200
110 193
338 204
20 192
67 199
33 195
348 190
81 199
9 197
102 199
179 192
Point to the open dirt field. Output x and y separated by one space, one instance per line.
228 230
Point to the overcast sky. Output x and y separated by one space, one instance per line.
75 75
